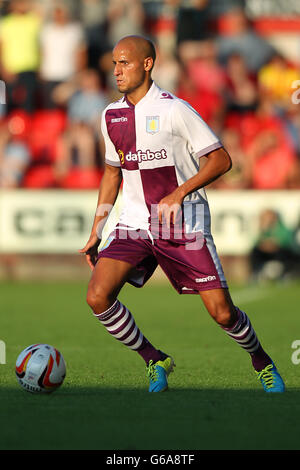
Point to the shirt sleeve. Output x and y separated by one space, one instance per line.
111 156
189 125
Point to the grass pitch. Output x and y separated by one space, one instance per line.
214 399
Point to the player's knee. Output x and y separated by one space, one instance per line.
224 315
97 298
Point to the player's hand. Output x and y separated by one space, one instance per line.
91 250
169 208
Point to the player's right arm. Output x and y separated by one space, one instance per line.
108 192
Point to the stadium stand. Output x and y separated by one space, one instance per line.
214 56
236 62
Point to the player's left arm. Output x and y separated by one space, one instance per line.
218 162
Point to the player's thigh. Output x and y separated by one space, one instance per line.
108 278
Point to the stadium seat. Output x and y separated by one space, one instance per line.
39 177
47 126
82 178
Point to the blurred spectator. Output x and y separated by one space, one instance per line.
193 22
14 151
94 20
291 121
208 105
241 88
83 97
276 79
19 46
160 23
125 17
3 7
237 37
275 254
273 163
269 148
202 65
297 240
239 177
63 51
82 142
162 27
202 81
166 71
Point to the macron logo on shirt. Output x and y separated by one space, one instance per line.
147 155
120 119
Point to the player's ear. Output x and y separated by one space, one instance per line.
148 64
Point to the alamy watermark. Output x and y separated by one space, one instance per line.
296 94
2 352
177 223
2 92
295 358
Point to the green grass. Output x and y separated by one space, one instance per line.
214 401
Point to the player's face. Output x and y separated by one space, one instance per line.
129 68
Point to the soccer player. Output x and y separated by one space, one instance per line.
156 144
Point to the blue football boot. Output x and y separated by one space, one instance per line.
271 379
158 373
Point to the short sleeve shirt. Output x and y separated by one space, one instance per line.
157 143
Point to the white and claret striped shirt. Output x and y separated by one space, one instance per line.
158 144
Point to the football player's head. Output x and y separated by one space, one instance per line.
133 58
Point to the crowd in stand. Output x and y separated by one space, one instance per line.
55 61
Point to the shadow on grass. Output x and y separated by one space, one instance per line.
130 418
192 397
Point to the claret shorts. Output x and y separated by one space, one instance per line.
191 264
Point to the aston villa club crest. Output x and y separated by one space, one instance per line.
121 155
152 124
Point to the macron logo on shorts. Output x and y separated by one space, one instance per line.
147 155
206 279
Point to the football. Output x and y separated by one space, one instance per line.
40 368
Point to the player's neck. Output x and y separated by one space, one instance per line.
135 96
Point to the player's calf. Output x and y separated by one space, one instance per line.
119 323
220 306
243 333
